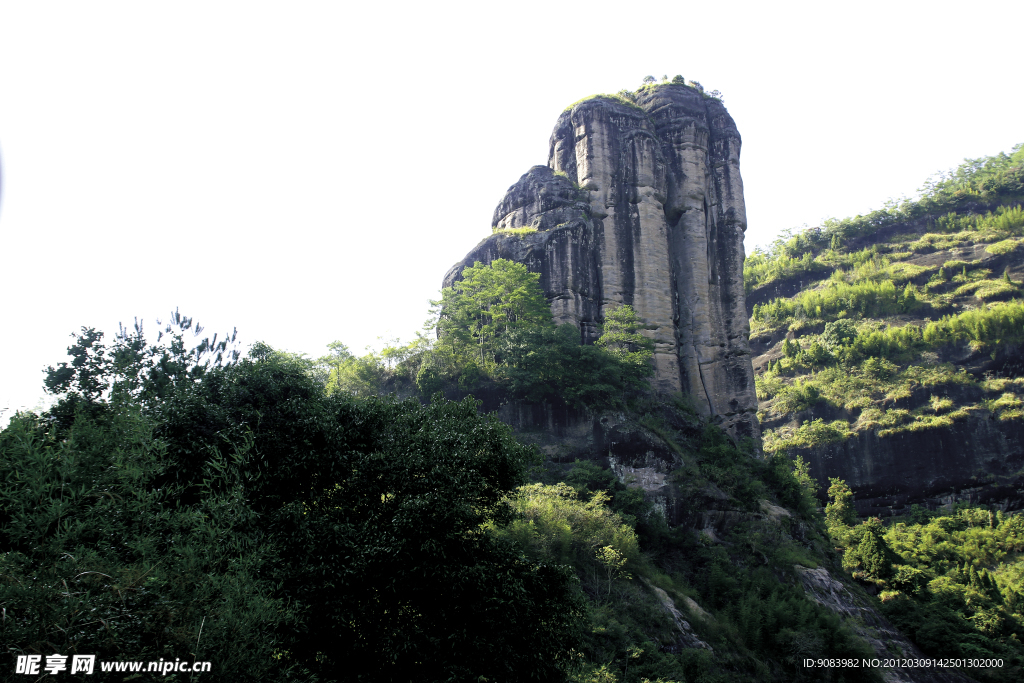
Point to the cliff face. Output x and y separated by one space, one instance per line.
936 417
978 460
643 205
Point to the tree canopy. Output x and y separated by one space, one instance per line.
489 302
304 534
495 326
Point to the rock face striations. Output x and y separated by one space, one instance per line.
642 204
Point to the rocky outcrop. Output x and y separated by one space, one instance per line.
685 637
642 204
977 460
890 646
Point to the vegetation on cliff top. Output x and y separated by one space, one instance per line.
628 97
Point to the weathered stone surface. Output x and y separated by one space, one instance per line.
890 646
643 205
685 638
977 460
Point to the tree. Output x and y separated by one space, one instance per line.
488 303
131 369
613 562
85 378
838 333
839 512
817 355
182 576
338 355
808 486
648 80
868 550
621 333
621 337
545 364
415 582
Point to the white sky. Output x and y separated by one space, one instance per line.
307 171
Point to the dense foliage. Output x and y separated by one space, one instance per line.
908 319
242 515
495 334
953 582
485 306
738 587
278 517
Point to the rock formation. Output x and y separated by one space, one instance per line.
977 460
642 204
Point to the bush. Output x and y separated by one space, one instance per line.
838 334
988 326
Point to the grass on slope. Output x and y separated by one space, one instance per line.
880 338
948 209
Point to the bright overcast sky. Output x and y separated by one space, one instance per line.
307 171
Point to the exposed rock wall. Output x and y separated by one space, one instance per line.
643 205
978 460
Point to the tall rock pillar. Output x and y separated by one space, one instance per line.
642 204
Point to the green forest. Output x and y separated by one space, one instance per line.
908 319
361 517
283 517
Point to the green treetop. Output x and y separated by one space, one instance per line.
489 302
839 513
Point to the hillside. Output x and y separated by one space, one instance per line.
888 346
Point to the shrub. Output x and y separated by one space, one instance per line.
557 527
837 334
1003 247
986 326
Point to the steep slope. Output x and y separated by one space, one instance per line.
641 204
730 574
888 347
